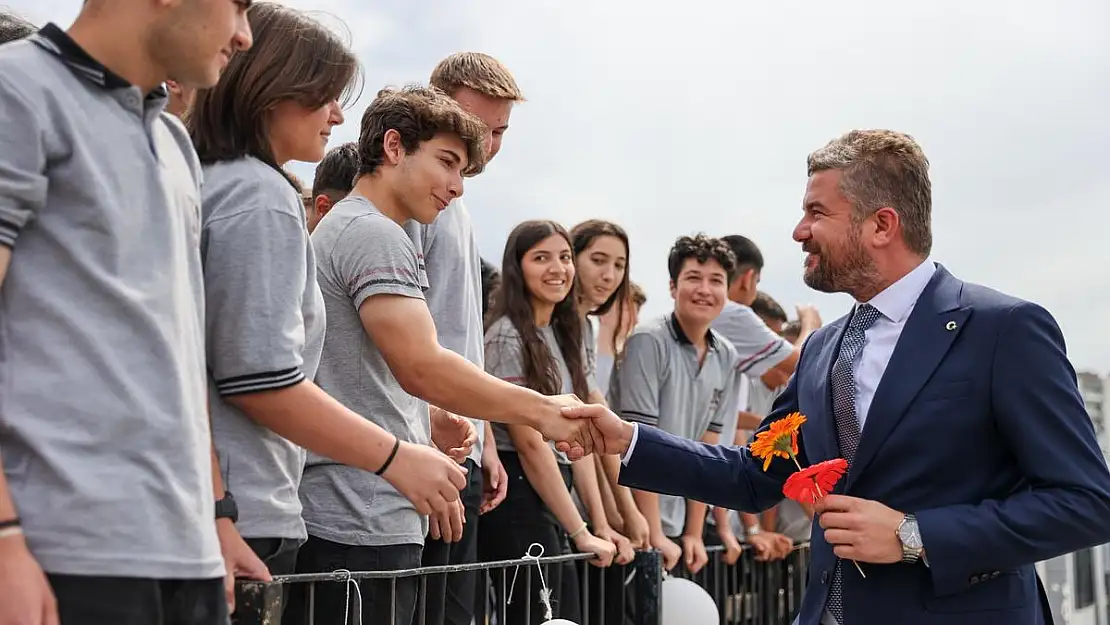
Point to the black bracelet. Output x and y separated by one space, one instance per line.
392 455
10 523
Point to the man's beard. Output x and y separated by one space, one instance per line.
852 272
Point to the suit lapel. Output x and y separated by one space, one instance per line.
932 327
824 425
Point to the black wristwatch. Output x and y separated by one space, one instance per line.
227 509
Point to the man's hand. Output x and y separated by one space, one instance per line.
625 552
671 552
25 594
637 529
571 437
609 434
495 486
239 559
693 553
448 525
808 317
732 545
770 546
860 529
452 434
426 477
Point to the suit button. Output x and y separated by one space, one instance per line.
996 574
974 579
824 577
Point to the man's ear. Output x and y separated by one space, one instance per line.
322 204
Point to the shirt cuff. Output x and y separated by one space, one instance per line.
631 444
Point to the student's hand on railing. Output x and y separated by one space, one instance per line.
426 477
670 550
770 546
240 561
448 524
693 552
452 434
603 549
732 545
625 551
608 434
637 530
25 594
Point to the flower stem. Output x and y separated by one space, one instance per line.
795 459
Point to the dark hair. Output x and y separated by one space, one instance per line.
766 307
491 279
791 330
636 294
295 58
512 300
746 251
583 235
14 27
337 171
702 249
418 114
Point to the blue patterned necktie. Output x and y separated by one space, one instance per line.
844 410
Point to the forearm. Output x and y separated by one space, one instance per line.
749 520
7 506
217 478
585 482
722 520
608 501
622 495
451 382
747 421
769 520
648 503
695 518
311 418
542 471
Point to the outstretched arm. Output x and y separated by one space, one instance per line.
1041 415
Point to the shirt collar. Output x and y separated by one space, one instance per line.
55 40
897 300
680 335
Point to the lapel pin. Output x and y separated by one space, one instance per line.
951 325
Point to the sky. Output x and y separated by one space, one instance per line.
677 118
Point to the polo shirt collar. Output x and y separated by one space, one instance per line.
680 335
55 40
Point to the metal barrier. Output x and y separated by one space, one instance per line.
746 593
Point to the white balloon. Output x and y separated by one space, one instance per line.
559 621
686 603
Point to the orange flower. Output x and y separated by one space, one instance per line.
780 439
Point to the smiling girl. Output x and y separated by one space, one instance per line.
534 338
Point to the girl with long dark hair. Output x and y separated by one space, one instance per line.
534 338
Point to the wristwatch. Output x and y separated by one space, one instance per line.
226 508
912 547
753 530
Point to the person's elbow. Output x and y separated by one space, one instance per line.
413 372
775 378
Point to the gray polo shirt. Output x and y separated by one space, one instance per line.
103 423
759 349
265 329
361 253
454 293
659 382
505 360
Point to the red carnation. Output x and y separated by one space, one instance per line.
816 481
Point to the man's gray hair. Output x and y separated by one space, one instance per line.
883 168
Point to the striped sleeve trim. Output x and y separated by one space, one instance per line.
639 417
256 382
9 230
716 428
768 351
385 276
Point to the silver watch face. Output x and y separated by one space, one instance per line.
909 535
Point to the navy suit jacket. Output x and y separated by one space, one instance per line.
977 427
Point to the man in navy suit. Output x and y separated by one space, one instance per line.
971 454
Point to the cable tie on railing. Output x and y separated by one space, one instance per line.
345 576
545 592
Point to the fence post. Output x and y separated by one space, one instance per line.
648 606
258 603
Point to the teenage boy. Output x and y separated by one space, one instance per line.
107 502
486 89
381 356
680 375
334 179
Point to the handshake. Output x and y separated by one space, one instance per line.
581 429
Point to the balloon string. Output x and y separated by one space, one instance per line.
545 592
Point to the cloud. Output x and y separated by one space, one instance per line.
672 118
